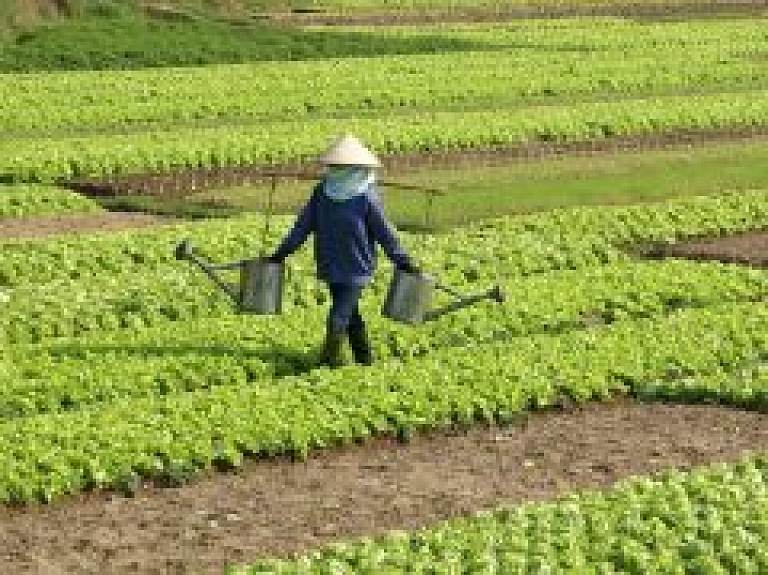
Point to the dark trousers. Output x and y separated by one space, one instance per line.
345 312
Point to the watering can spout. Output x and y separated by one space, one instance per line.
497 295
184 251
494 294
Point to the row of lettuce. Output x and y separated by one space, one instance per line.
50 158
78 284
215 348
29 200
174 435
566 238
710 520
172 398
135 303
515 68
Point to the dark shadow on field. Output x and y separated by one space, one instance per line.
285 360
129 43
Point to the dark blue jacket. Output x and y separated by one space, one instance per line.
346 234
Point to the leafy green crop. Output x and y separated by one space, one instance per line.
570 238
78 285
48 455
130 400
299 140
171 356
517 69
553 301
38 200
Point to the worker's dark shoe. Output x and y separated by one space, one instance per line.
332 350
361 347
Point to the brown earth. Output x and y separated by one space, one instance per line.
620 9
31 11
278 507
183 182
42 226
746 248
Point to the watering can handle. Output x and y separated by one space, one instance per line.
268 215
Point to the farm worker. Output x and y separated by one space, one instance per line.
347 218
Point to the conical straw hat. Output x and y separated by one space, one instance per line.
349 151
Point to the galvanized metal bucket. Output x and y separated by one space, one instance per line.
409 297
261 287
261 281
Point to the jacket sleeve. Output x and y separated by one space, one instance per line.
384 233
303 226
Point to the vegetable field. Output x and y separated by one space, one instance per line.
127 379
506 90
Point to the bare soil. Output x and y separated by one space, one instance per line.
179 183
277 507
684 9
43 226
749 248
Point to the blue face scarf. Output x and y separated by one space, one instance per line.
345 182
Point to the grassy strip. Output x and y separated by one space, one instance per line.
129 43
173 436
474 193
709 520
41 159
119 38
62 375
37 200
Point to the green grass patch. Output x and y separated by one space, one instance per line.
476 193
133 42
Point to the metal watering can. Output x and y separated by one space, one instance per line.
410 295
261 282
260 290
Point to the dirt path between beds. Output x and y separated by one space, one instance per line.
280 507
650 11
749 248
43 226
